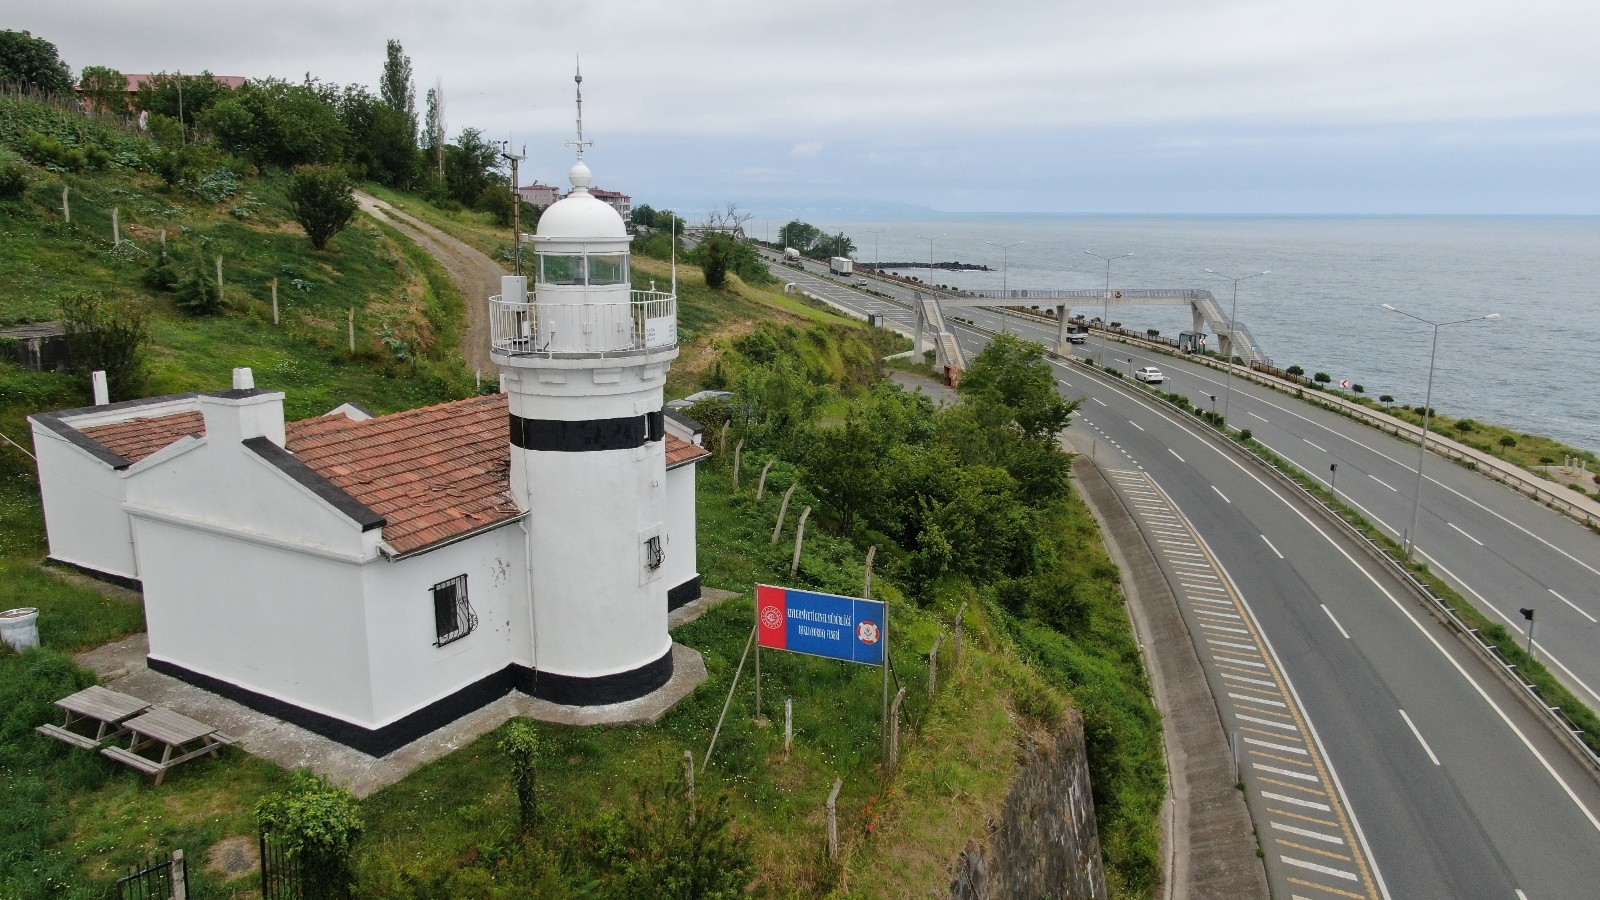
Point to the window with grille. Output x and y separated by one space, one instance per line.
453 618
654 556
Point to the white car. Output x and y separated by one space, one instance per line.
1148 375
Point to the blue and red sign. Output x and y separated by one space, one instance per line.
847 628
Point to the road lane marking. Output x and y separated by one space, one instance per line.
1313 443
1098 400
1221 494
1175 453
1335 621
1325 870
1285 748
1308 833
1571 604
1382 482
1135 424
1271 724
1272 548
1412 725
1262 418
1464 534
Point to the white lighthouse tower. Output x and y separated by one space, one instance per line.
584 360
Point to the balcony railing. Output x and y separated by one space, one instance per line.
647 321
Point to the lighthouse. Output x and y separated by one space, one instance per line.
584 359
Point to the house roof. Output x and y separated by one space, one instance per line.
433 474
135 439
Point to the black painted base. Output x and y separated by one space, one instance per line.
687 592
132 584
563 689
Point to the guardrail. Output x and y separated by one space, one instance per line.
646 321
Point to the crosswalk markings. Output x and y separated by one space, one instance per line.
1308 833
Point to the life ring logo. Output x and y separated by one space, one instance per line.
771 617
867 632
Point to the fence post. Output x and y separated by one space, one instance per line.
783 511
833 820
352 327
116 228
799 538
220 294
274 298
761 488
788 724
722 439
688 774
894 728
866 587
66 208
180 876
961 622
933 666
738 458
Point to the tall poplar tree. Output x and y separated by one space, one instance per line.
396 88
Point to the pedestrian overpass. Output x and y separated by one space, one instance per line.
1233 339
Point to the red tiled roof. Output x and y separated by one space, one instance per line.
434 473
137 438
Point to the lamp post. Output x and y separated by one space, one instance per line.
1233 328
1427 413
930 241
1005 272
877 260
1105 307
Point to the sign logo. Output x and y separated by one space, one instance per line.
847 628
867 632
771 617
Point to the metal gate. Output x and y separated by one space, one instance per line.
167 879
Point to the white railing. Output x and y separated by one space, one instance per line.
522 328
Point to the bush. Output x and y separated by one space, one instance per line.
1246 435
1322 378
1295 371
13 180
106 336
321 200
1385 398
673 846
1464 425
1358 388
197 294
318 824
162 275
520 744
1508 442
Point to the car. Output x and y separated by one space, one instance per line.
1148 375
1077 337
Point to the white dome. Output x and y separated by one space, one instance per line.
580 216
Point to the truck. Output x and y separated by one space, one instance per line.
791 255
841 265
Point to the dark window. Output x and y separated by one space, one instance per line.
453 617
653 554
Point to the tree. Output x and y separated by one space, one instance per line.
835 245
106 89
433 130
800 236
321 200
395 87
470 165
844 469
1013 373
197 294
104 335
713 256
32 62
276 123
520 744
181 97
383 140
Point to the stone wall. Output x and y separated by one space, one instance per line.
1045 844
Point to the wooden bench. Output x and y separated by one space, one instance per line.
143 764
95 707
179 738
70 737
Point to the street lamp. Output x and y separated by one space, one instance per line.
1233 329
930 241
1005 271
1105 307
1427 413
877 260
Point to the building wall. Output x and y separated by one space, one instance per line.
407 671
83 515
279 621
682 562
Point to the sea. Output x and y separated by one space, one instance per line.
1535 368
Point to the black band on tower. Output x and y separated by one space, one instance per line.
578 437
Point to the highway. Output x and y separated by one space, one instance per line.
1387 760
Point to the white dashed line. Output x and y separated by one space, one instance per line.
1221 494
1570 603
1335 621
1464 534
1098 400
1418 734
1253 414
1272 548
1135 424
1313 443
1382 482
1175 453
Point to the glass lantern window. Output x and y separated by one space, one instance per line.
555 269
608 268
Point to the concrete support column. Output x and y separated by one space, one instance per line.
1062 345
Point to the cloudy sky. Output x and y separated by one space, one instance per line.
1175 106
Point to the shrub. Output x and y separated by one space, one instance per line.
162 275
1358 388
107 336
1547 461
1246 435
674 846
13 180
321 201
1296 371
1464 425
1385 398
1508 442
520 744
318 824
1322 378
1152 332
197 293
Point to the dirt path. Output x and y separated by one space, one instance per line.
476 275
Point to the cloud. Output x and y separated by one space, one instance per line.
806 150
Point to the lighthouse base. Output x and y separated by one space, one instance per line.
573 690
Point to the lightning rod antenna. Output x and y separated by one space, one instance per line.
580 143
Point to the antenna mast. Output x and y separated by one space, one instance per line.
580 143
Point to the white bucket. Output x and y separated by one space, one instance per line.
20 628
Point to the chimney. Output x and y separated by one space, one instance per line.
101 395
244 412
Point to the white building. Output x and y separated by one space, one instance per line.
371 578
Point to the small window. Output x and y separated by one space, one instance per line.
453 618
654 556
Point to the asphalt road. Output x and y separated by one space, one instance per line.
1457 790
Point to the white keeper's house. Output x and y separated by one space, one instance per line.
372 578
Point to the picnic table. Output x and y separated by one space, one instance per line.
95 707
178 737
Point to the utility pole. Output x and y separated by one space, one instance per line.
516 205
